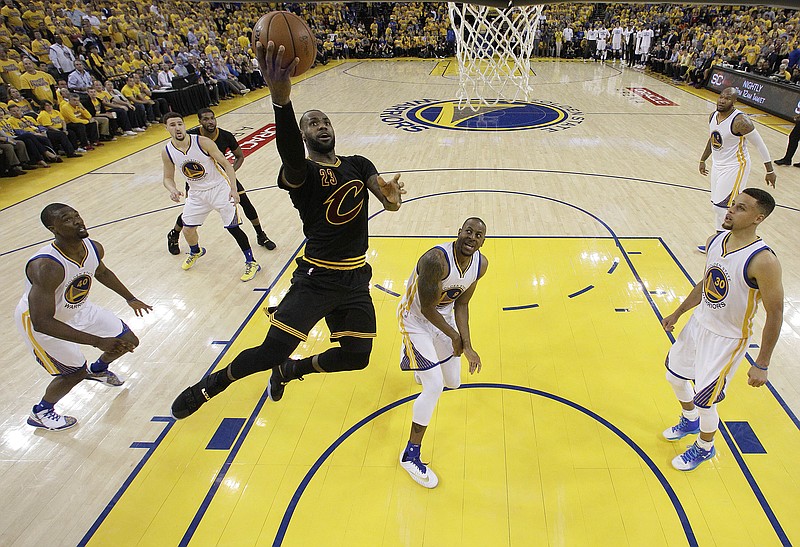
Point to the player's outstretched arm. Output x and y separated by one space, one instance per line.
288 138
743 125
461 312
169 177
389 193
704 157
766 270
208 146
110 280
270 61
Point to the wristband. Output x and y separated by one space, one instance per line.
770 172
759 367
132 300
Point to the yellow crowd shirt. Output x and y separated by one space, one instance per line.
51 119
39 83
10 71
75 114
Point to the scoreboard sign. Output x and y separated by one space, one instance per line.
777 98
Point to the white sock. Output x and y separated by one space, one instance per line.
705 445
692 415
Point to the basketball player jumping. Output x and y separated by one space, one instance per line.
434 322
225 141
731 131
331 280
212 182
55 315
740 271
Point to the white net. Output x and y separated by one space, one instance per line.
493 48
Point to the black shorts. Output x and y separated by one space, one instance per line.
340 296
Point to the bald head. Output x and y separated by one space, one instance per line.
51 213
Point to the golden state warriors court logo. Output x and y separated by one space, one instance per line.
78 290
193 170
716 140
715 286
416 116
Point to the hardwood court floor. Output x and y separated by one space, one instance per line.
555 442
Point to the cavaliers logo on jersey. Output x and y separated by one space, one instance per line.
716 140
715 285
78 289
339 212
193 170
450 295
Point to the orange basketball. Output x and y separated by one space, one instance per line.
286 29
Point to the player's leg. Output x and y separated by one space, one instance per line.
101 322
63 360
717 361
252 215
174 235
229 212
301 308
433 355
273 351
349 314
195 211
680 365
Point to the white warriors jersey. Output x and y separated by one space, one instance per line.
730 301
727 149
455 283
616 37
202 172
73 293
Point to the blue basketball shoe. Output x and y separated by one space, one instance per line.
693 457
684 427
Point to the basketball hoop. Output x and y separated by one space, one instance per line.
493 48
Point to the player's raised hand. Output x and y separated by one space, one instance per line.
139 307
270 60
176 196
392 190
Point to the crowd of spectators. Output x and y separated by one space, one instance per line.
682 42
79 73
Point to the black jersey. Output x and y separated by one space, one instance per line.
334 208
224 139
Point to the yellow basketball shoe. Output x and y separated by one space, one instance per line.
192 258
250 270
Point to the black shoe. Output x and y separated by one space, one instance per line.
277 383
189 401
172 242
782 161
264 241
196 396
797 164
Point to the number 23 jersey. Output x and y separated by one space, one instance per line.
333 203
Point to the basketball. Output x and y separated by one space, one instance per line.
286 29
